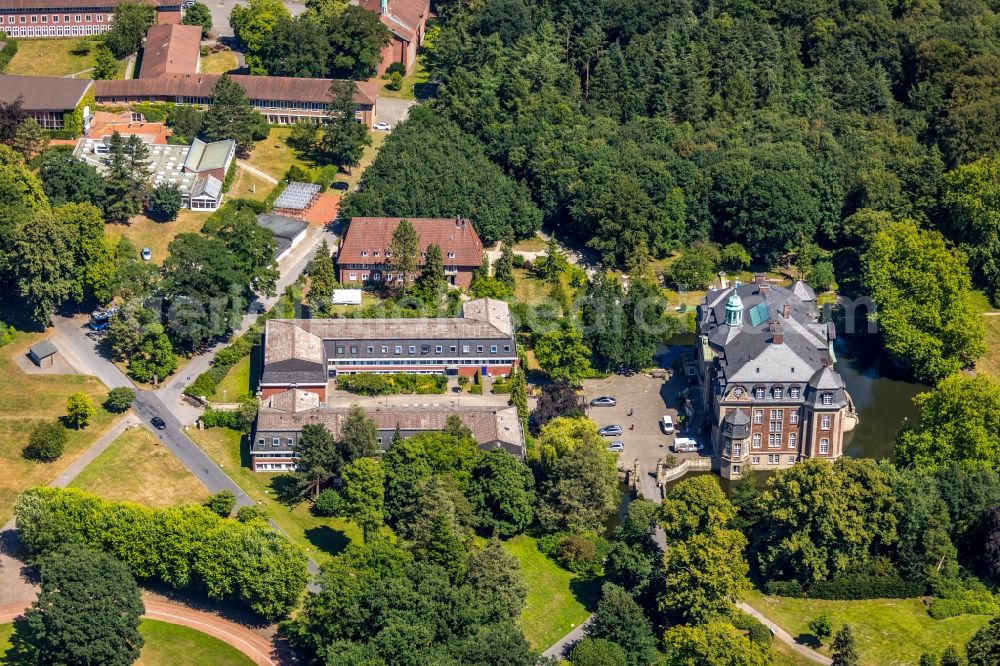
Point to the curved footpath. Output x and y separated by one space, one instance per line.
785 637
257 648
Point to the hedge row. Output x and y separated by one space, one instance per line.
850 587
369 383
7 52
756 630
187 547
977 602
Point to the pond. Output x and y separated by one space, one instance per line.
884 402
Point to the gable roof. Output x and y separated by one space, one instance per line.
403 16
171 49
208 156
452 235
43 349
106 5
43 93
256 87
209 186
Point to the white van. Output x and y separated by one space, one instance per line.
686 445
667 423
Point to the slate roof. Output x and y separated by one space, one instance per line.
749 352
171 49
43 93
371 234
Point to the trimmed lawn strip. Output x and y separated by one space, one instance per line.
26 400
243 183
890 632
990 363
168 645
557 601
321 538
273 156
136 468
235 383
144 232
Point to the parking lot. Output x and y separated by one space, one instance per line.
649 399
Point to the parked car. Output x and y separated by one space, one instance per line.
687 445
610 431
159 423
146 254
603 401
616 446
667 423
382 127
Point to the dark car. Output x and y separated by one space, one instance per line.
159 423
603 401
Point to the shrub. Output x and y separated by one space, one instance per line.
969 596
395 67
119 399
47 441
368 383
395 81
6 334
821 626
501 385
476 389
222 503
7 53
784 588
186 547
462 380
202 387
756 630
518 261
575 552
165 202
327 504
861 586
251 512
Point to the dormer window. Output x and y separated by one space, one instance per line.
777 392
759 393
364 253
451 255
827 398
794 392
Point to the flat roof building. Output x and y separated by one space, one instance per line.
288 232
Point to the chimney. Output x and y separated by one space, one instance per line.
384 7
459 222
777 337
786 311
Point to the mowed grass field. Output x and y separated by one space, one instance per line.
48 57
990 363
235 383
890 632
557 600
321 538
219 63
26 400
144 232
137 468
166 645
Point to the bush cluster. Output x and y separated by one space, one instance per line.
368 383
579 553
756 630
6 53
850 587
186 547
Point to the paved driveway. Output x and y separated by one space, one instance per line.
220 13
392 110
649 399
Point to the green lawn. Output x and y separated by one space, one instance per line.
890 632
990 364
26 400
168 645
249 186
235 383
145 232
48 57
273 156
137 468
414 80
557 599
534 244
322 538
218 63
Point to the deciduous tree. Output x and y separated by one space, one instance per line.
318 458
581 489
230 116
344 138
502 494
46 442
199 14
563 354
363 494
79 410
129 24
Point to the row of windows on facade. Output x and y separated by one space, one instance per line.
778 393
435 364
774 442
388 253
424 349
389 277
49 119
44 18
289 442
60 31
263 467
778 417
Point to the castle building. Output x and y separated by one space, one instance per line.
767 377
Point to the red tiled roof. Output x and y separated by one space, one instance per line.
257 87
171 49
404 15
373 234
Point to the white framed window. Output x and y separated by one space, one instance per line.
479 349
758 416
756 440
493 349
777 392
794 392
790 460
364 276
275 441
100 18
793 416
385 350
451 254
824 422
364 253
352 276
375 253
792 440
754 460
737 449
87 18
412 349
759 393
399 349
77 18
773 459
824 446
774 440
777 414
827 398
438 349
465 349
453 349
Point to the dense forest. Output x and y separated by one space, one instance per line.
640 127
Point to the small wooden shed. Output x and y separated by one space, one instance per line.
43 354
